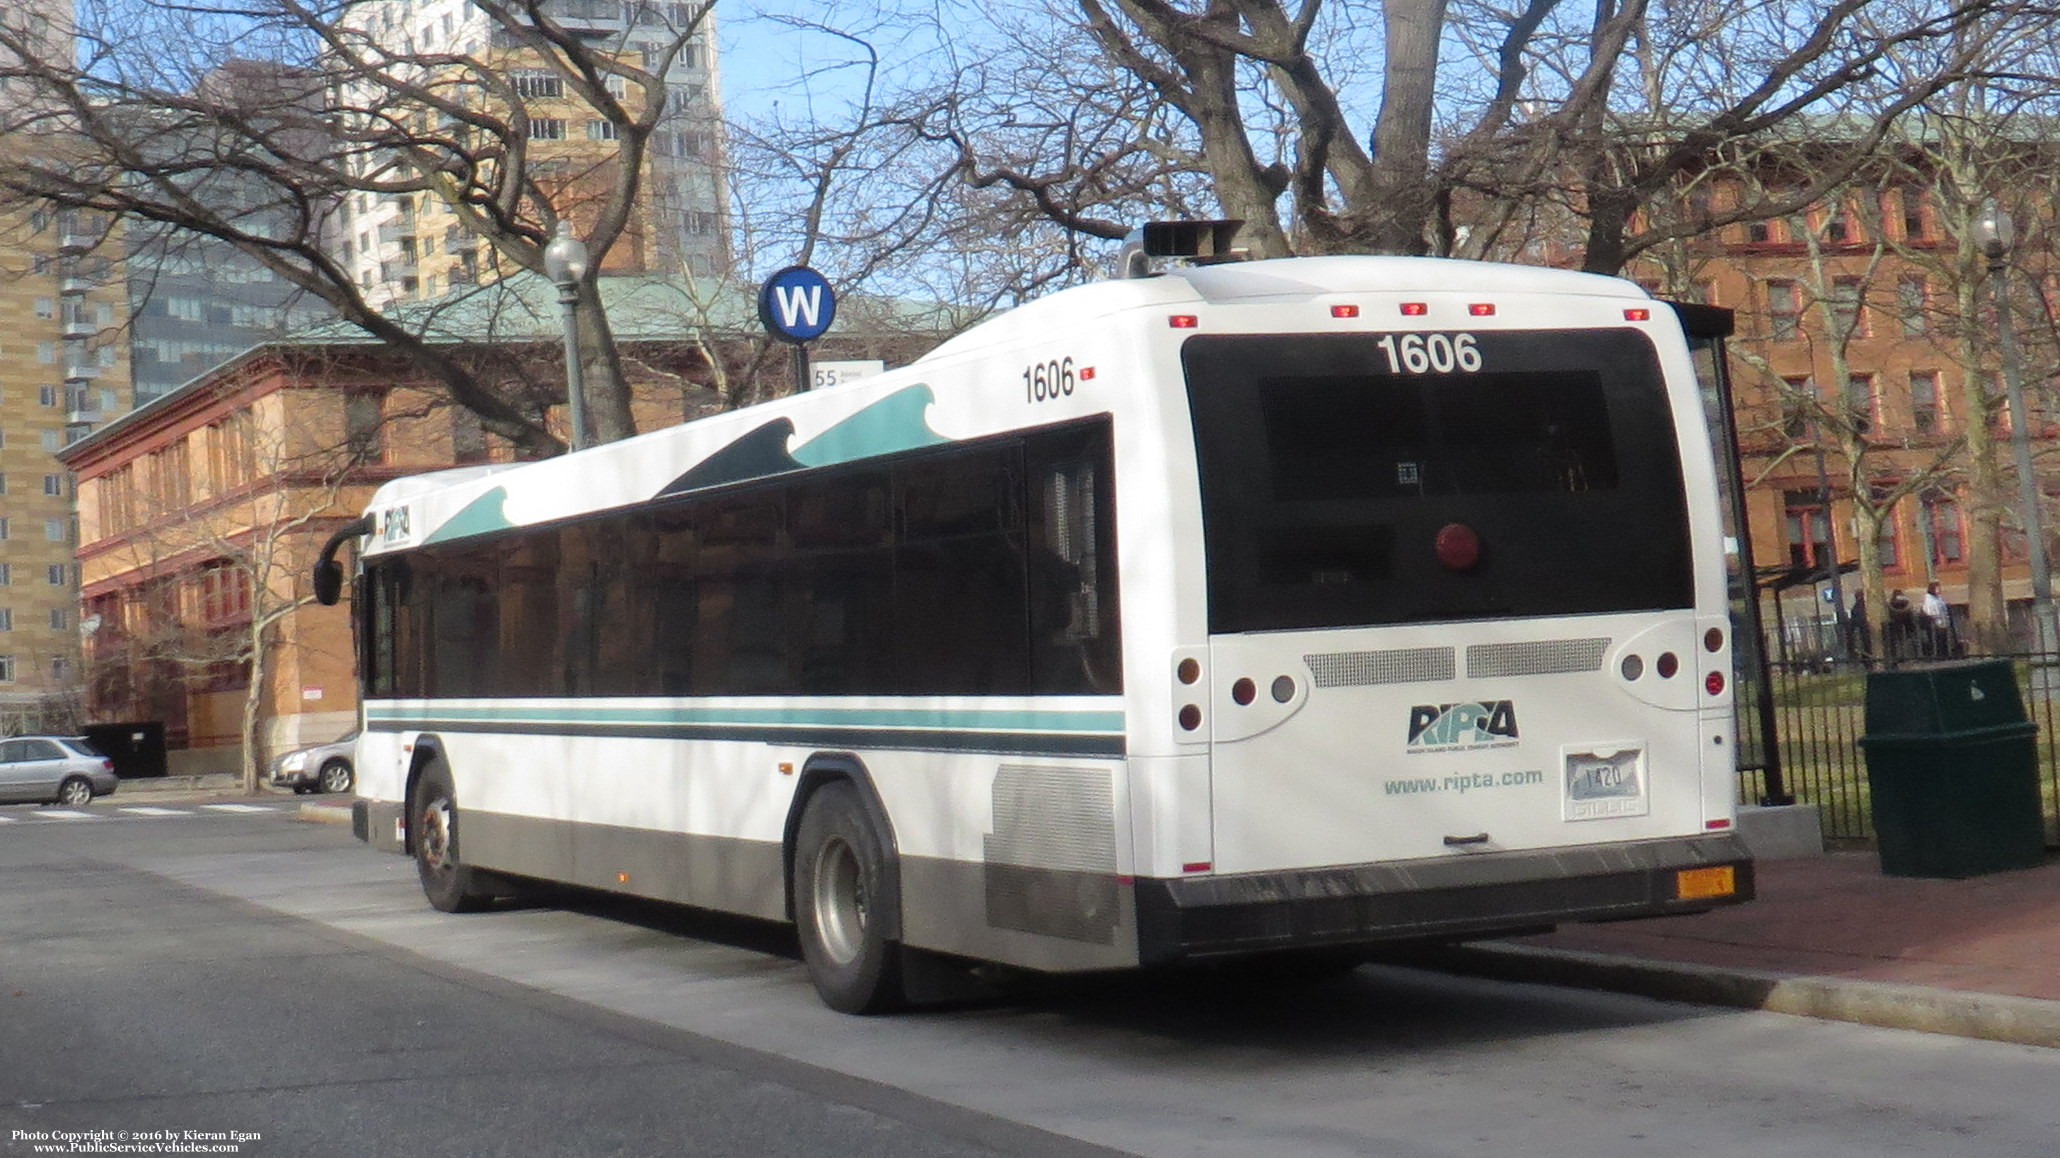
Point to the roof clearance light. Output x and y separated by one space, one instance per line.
1415 309
1482 309
1637 314
1344 311
1183 321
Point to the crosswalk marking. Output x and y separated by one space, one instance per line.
140 812
64 814
235 808
147 810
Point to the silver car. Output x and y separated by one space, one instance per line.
321 768
53 770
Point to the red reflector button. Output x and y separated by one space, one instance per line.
1458 547
1714 682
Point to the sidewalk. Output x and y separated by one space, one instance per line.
1831 937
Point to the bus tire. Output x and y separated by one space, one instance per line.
842 885
450 885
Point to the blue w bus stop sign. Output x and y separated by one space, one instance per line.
797 304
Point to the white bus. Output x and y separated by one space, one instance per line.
1234 609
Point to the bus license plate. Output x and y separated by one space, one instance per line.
1605 783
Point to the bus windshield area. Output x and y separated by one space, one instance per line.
1363 479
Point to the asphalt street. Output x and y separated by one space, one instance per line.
243 972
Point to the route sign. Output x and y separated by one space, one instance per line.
797 304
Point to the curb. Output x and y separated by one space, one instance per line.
1959 1013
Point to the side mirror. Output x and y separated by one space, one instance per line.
328 582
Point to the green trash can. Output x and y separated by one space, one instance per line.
1952 762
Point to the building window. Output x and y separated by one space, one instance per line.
46 352
3 526
362 424
1784 309
1942 526
1799 408
1924 401
1916 227
6 574
539 86
601 131
53 484
6 669
60 618
1808 529
1912 297
1859 402
46 308
6 619
54 530
57 573
547 128
46 395
1846 299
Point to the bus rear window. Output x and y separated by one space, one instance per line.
1327 478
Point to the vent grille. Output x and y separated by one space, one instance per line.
1542 657
1053 818
1357 669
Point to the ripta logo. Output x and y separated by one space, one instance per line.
393 526
1487 724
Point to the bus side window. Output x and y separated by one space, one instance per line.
1074 642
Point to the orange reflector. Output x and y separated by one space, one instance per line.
1183 321
1344 311
1697 883
1415 309
1197 866
1716 824
621 878
1482 309
1638 314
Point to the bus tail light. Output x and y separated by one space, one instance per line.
1714 683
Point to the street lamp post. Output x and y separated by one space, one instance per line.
565 263
1995 231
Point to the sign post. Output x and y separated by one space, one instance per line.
797 306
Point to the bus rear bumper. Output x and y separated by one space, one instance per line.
1460 898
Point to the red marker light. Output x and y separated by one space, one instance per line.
1344 311
1457 547
1638 314
1716 824
1087 373
1415 309
1195 866
1183 321
1482 309
1714 683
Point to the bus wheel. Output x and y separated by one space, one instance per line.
842 888
433 813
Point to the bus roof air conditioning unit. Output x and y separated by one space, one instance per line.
1197 242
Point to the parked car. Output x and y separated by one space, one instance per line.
320 768
53 770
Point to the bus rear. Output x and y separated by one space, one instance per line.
1468 655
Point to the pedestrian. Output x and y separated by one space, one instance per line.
1938 623
1859 632
1901 633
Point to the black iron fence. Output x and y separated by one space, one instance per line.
1818 684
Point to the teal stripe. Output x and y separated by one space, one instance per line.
952 719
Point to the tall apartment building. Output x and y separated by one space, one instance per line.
403 247
63 368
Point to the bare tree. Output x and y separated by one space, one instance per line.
251 123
